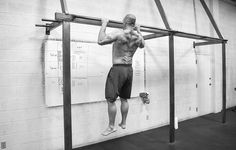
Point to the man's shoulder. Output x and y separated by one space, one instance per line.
118 32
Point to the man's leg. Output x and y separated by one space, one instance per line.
112 116
124 108
125 93
111 113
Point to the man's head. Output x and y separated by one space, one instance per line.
129 20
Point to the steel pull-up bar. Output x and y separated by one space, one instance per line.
97 22
60 17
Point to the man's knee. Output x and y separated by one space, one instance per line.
111 101
123 99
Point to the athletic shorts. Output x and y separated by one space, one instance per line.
119 82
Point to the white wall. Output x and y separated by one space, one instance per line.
25 121
227 15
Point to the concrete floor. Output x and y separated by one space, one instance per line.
202 133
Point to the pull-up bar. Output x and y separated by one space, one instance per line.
97 22
59 17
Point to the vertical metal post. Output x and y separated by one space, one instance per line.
66 85
224 83
172 88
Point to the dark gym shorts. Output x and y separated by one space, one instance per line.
119 82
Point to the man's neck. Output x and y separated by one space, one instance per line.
128 28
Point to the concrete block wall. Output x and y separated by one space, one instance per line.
26 122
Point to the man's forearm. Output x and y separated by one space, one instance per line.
140 38
140 41
102 32
139 32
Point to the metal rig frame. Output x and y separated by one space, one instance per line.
65 18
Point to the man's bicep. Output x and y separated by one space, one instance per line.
111 37
108 38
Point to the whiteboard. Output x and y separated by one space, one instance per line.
90 64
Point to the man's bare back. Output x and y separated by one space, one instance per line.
124 47
125 42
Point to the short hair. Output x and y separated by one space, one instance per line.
129 19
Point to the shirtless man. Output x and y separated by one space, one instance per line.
119 80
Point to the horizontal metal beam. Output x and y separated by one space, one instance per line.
152 36
157 32
42 25
198 37
49 20
204 43
117 24
97 22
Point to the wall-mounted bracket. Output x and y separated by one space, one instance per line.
195 44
